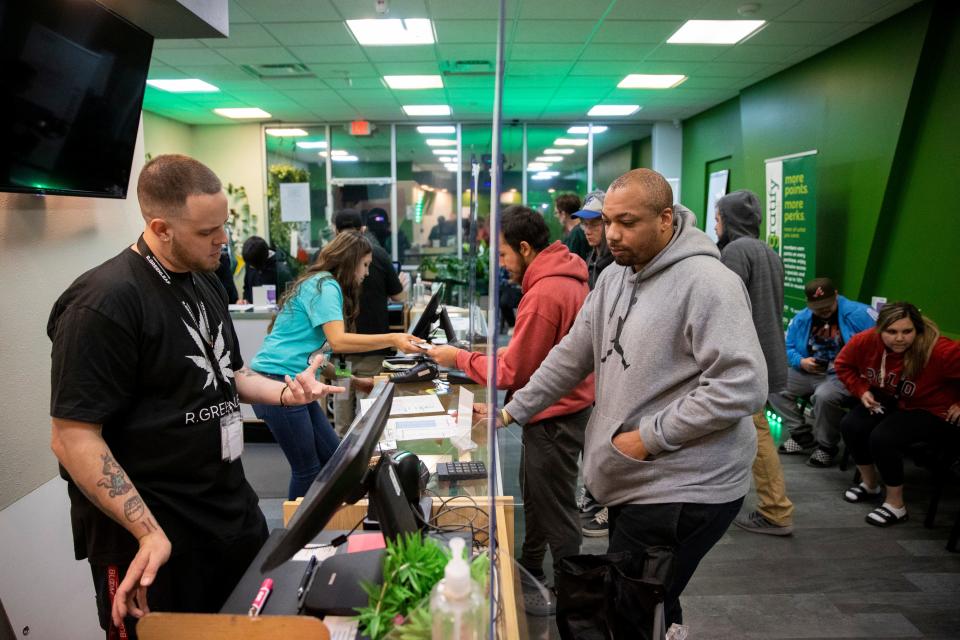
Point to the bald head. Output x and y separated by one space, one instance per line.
653 189
168 180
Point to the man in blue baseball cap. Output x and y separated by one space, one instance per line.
591 223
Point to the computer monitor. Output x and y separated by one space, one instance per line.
432 313
345 478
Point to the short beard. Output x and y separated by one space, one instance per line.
184 259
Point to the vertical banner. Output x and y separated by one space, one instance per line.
791 185
717 188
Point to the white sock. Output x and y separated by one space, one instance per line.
873 491
897 511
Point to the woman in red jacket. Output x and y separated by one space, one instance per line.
907 377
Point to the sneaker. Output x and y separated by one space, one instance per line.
598 526
792 447
755 522
821 458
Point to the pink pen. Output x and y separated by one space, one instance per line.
257 605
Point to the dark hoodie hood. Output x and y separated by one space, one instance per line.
741 215
555 260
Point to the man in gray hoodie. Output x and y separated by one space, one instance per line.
738 230
679 372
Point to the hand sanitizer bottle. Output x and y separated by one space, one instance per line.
457 603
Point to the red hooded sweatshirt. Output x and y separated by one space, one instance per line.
554 288
935 389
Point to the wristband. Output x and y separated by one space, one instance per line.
285 388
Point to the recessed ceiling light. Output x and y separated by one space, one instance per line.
545 175
186 85
344 158
613 110
648 81
312 144
285 133
538 166
452 166
549 158
442 128
240 113
382 32
570 142
715 31
414 82
336 153
441 142
584 131
445 152
426 109
561 152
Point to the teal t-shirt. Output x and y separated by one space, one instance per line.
298 330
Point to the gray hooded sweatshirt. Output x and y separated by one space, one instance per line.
676 355
762 271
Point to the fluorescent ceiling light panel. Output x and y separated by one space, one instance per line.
442 128
285 133
414 82
312 144
452 166
715 31
445 152
336 158
647 81
426 109
336 153
549 158
545 175
559 152
569 142
382 32
440 142
583 130
186 85
538 166
612 110
241 113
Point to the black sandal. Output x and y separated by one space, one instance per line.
883 517
857 493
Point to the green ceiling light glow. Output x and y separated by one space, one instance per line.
285 133
426 109
418 210
648 81
549 159
382 32
414 82
612 110
436 129
186 85
242 113
346 158
559 152
568 142
585 131
715 31
440 142
312 144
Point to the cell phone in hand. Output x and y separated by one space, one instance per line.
820 362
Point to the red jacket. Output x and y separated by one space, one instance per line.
554 288
935 389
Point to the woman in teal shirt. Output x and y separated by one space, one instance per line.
319 308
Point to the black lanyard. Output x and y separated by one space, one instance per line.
199 319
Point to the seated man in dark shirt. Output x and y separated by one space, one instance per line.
263 267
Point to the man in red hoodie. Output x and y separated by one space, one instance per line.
554 284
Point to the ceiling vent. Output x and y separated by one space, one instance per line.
466 67
278 71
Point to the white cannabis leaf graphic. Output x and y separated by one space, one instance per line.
219 352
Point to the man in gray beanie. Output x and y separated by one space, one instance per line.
738 230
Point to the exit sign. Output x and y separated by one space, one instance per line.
360 128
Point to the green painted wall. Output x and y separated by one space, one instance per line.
882 124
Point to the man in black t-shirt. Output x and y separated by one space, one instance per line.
146 386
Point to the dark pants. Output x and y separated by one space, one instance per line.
306 438
548 484
195 581
691 529
880 439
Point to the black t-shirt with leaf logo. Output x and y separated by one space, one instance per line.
128 354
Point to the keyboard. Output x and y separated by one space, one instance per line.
452 471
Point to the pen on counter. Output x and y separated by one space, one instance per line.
257 605
311 565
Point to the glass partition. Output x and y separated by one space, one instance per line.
556 163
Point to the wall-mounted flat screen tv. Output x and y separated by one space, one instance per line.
73 82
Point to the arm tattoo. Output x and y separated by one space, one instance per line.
247 372
133 508
116 479
149 525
